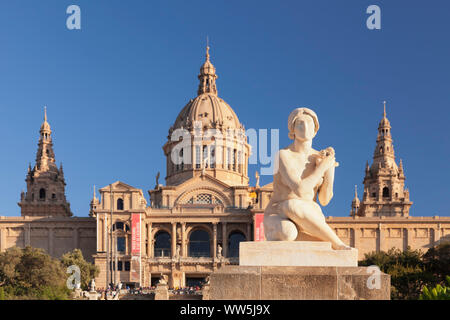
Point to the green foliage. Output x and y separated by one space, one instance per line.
407 269
30 273
88 270
437 293
437 261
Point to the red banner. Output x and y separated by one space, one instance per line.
259 227
135 234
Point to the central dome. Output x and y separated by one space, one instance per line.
207 108
210 110
224 155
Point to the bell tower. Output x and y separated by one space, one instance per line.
384 182
45 194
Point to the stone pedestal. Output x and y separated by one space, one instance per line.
205 292
299 270
162 292
295 253
297 283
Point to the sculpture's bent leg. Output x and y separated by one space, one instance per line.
309 216
277 228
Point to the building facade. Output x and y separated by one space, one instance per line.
194 223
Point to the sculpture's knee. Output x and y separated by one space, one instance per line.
279 229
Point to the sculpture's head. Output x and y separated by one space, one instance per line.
303 124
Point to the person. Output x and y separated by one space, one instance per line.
301 175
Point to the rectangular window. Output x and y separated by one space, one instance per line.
205 156
119 266
198 157
239 161
212 157
121 244
127 265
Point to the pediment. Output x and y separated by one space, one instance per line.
120 186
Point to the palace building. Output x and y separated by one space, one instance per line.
193 223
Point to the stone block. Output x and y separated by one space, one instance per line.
237 283
296 283
295 253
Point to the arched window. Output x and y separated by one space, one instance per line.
120 204
385 192
162 244
234 239
118 226
199 245
42 194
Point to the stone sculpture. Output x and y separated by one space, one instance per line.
302 175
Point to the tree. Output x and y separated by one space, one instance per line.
407 270
88 270
437 261
30 273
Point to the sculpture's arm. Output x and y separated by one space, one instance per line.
326 189
295 183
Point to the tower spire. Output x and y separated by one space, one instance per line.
45 182
207 76
384 180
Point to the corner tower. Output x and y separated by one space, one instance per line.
45 194
207 137
384 181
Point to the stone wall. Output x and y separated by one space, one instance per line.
383 233
55 235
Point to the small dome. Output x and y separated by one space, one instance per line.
45 126
384 123
210 110
207 69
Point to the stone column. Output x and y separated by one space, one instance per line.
50 241
356 235
27 236
75 238
105 233
2 239
149 241
224 240
434 235
183 239
382 236
174 238
409 238
214 240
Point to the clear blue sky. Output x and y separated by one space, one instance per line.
114 88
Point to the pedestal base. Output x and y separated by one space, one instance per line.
295 253
162 292
298 283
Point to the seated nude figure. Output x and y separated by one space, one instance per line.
301 176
